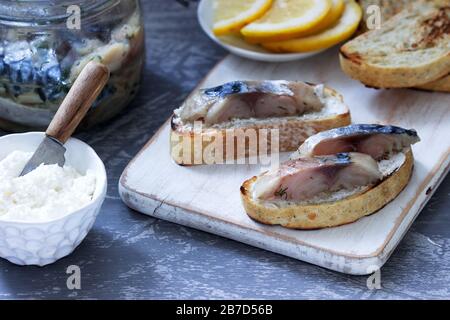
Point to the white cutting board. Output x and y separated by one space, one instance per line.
208 198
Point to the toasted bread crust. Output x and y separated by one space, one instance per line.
292 133
389 8
442 85
373 76
334 214
371 69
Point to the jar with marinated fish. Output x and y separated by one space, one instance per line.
44 45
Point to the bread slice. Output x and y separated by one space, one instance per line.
335 209
410 50
442 85
185 141
388 9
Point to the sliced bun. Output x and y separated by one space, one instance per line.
293 131
442 85
333 213
388 9
409 50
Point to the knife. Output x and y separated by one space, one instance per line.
72 110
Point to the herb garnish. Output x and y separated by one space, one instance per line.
282 193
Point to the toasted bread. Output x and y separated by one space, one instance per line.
334 211
410 50
442 85
292 132
388 9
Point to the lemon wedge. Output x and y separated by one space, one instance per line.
231 15
337 8
343 29
287 18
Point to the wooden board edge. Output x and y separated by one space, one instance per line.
124 175
403 224
379 257
161 210
383 252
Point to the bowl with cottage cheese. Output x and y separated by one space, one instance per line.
47 213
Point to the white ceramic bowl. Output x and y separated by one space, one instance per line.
237 45
42 243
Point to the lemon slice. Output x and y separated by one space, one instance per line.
231 15
287 18
340 31
337 8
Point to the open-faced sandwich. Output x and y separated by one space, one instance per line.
296 110
336 177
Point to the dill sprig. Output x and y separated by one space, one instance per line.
282 193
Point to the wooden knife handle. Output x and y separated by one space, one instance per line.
78 100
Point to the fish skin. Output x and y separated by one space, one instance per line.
241 87
226 89
372 128
304 178
350 138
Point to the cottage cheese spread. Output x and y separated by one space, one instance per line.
45 194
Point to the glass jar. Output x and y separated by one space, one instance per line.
44 45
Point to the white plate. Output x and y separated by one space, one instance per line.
237 45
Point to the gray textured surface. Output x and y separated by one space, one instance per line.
129 255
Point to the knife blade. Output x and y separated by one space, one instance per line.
74 107
50 151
